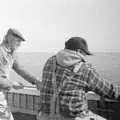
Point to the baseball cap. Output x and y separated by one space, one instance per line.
75 43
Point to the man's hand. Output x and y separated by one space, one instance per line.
17 85
38 84
118 98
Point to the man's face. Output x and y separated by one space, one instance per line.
82 52
13 42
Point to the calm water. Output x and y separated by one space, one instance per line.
107 64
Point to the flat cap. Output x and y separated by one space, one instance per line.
16 33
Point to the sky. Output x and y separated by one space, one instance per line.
47 24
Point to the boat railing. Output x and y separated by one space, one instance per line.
29 103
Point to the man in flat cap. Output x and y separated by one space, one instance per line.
66 78
11 42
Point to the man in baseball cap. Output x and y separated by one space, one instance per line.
66 78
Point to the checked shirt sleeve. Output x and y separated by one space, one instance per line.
100 85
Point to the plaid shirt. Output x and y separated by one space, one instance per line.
73 87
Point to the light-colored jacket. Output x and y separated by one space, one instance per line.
8 61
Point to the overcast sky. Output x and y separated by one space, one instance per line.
47 24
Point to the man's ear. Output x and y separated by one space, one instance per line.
8 37
5 39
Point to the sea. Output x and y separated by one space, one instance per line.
107 65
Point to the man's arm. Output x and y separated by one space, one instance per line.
23 73
6 84
101 85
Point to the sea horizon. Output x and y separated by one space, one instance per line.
106 63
